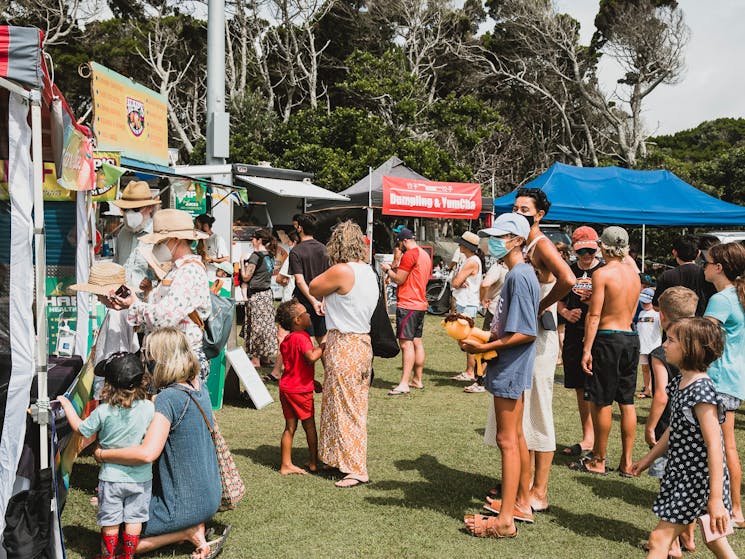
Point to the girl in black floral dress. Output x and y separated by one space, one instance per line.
696 481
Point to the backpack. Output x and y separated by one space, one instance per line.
216 329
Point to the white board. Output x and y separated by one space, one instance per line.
245 370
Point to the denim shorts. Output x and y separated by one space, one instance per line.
123 502
729 402
470 311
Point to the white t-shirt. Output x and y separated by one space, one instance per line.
650 331
284 270
216 248
495 276
468 294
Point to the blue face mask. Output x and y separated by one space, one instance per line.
497 247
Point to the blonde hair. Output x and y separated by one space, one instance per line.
615 252
678 302
174 359
347 244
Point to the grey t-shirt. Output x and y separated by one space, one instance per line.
517 312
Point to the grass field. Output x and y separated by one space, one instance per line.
428 467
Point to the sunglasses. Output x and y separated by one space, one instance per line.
584 251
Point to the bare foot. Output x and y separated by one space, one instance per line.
538 503
196 535
291 469
312 468
687 541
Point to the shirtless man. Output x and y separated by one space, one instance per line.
556 279
610 354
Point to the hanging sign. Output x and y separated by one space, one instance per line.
189 196
421 198
105 164
128 117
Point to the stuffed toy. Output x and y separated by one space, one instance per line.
460 327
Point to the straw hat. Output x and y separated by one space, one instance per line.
172 224
469 240
104 278
136 195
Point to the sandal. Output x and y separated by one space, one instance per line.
474 388
485 527
581 467
212 549
464 377
269 378
575 450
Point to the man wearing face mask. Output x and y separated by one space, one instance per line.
138 207
556 279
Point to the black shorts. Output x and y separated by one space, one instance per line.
615 358
317 323
571 358
409 324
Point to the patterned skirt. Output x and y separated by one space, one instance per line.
259 328
343 437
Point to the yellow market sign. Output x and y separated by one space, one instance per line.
53 192
128 117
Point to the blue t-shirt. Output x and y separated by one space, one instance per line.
119 427
511 373
728 372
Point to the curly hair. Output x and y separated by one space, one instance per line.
286 313
347 244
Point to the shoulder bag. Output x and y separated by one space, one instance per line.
382 337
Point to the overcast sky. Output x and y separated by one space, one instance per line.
713 85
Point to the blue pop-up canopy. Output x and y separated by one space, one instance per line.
624 196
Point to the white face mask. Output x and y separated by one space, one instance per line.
162 253
133 220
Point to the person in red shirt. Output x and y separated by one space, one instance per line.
411 276
296 385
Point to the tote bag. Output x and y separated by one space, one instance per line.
382 337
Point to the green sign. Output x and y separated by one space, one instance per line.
62 309
190 196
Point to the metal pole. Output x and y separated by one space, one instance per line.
215 74
41 274
369 229
644 244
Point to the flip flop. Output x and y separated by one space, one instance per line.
356 483
397 392
463 377
581 467
575 450
212 549
495 506
475 388
643 396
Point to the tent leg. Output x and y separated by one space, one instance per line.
41 272
644 245
369 232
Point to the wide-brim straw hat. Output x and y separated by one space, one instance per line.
469 240
104 278
136 195
172 224
160 269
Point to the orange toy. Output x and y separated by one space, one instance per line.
460 327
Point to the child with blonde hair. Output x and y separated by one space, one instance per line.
696 481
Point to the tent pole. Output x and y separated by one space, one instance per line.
41 272
369 231
644 244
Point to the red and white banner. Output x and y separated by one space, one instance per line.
420 198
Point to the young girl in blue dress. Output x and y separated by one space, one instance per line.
696 481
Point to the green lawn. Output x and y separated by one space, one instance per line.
428 467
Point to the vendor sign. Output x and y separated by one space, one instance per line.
128 117
105 164
77 162
421 198
61 312
53 192
189 196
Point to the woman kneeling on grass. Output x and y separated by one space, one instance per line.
696 481
186 482
350 292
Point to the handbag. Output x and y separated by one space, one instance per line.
233 488
382 337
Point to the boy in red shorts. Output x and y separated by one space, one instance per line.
296 384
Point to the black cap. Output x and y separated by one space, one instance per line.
404 234
121 370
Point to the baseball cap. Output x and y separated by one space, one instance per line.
646 295
121 370
404 234
614 236
584 237
508 224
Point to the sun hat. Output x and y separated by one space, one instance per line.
172 224
469 240
646 295
508 224
226 267
614 237
121 370
404 234
584 237
104 278
136 195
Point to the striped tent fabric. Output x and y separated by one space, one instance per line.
20 55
